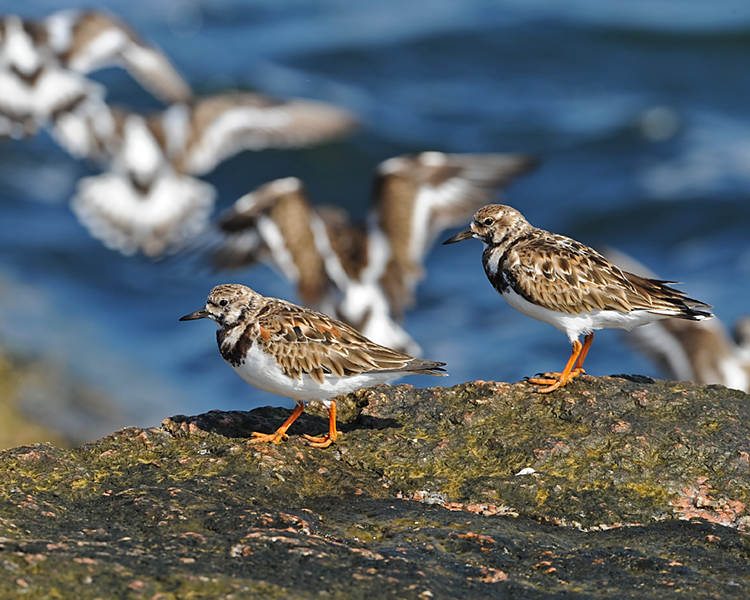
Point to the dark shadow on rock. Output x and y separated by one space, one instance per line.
371 422
242 424
635 378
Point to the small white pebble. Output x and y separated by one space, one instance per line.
526 471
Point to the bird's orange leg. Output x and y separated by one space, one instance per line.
556 380
280 433
326 440
584 351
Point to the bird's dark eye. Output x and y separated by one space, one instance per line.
488 221
223 302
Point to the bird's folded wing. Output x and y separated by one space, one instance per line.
313 343
565 276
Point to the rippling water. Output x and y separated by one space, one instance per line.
638 110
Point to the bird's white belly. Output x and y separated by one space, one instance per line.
575 325
262 371
176 208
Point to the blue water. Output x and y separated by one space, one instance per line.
639 112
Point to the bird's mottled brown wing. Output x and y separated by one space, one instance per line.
224 124
308 342
563 275
566 276
416 197
657 296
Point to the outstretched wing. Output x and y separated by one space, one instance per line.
90 128
305 341
416 197
86 41
225 124
275 224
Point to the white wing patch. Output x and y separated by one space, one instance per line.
234 130
276 243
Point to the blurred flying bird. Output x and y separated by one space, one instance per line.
149 199
85 41
43 66
363 274
700 351
33 85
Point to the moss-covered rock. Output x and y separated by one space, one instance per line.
614 487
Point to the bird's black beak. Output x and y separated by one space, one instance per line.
198 314
460 236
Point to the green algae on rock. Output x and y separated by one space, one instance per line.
608 451
628 488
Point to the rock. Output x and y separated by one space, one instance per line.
619 487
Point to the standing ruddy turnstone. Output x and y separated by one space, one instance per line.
572 287
293 351
364 273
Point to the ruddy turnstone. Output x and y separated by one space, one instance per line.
276 224
700 351
572 287
300 353
150 199
33 86
43 66
85 41
364 274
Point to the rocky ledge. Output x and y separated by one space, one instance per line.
614 487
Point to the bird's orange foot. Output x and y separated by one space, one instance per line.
273 438
320 442
555 380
